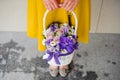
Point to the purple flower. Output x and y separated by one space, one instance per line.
69 48
66 43
52 28
65 29
47 42
74 36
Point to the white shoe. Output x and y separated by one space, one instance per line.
53 71
63 71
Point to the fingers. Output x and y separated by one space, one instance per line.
64 4
55 3
73 6
51 4
69 5
49 7
70 9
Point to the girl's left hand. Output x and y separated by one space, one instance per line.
69 5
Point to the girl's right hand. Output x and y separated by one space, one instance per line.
51 4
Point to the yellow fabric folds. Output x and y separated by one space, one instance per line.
36 10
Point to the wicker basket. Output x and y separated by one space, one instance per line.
50 55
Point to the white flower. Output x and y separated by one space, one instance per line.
71 31
70 37
65 24
57 39
59 32
61 25
50 48
52 43
44 33
45 56
56 25
50 35
72 27
64 51
47 31
55 49
43 41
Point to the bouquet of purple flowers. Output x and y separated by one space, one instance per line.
60 40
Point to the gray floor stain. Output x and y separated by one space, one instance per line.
106 45
106 74
6 54
78 55
112 62
3 57
91 75
108 61
26 65
9 55
79 66
85 53
41 63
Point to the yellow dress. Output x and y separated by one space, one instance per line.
36 10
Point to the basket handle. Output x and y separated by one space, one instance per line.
75 17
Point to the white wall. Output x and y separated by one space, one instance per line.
105 17
109 17
13 15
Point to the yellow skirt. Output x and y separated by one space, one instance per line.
36 10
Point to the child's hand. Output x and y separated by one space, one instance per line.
51 4
69 5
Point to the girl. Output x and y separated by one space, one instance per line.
36 10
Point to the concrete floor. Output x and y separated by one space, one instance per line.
98 60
